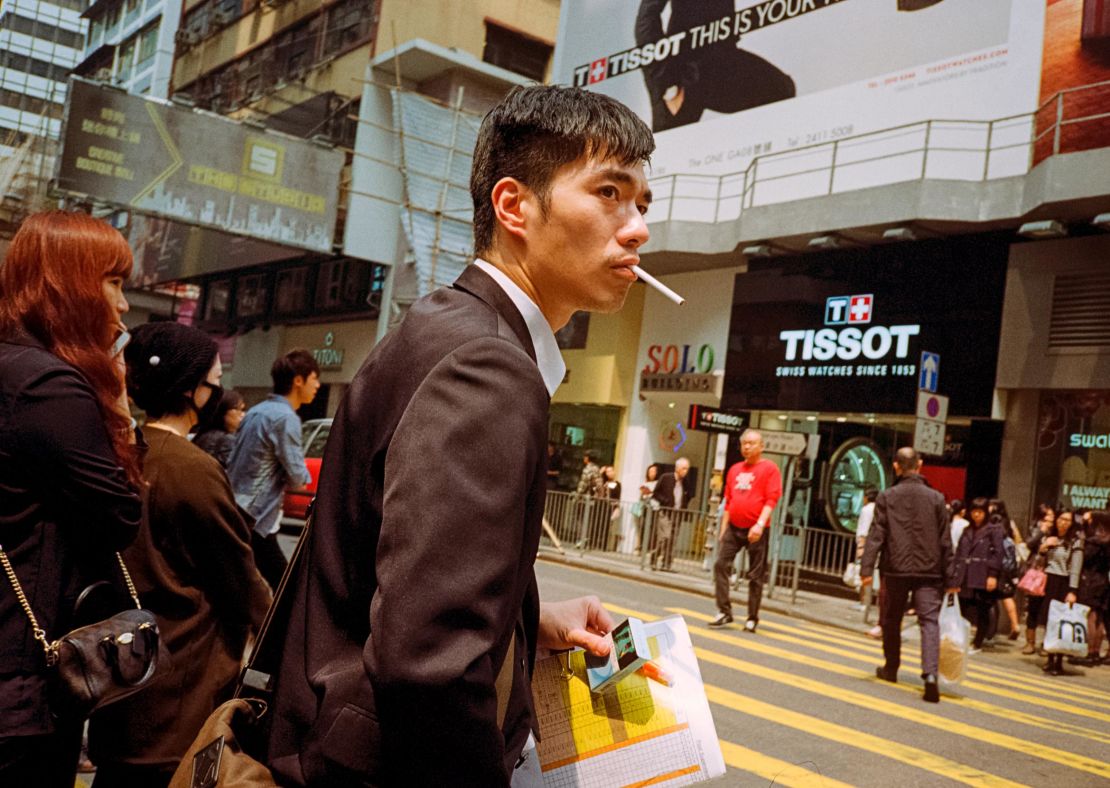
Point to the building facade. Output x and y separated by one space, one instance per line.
40 41
130 43
858 234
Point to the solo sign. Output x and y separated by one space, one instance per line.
678 360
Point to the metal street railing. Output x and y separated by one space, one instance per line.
964 150
683 541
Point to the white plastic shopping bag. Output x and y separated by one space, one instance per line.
955 639
851 576
1066 631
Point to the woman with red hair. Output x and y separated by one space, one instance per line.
69 467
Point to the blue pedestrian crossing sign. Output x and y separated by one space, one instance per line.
929 372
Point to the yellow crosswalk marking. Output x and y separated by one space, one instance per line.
775 771
999 675
1003 712
1047 703
1035 684
849 737
928 719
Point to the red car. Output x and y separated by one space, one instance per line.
314 435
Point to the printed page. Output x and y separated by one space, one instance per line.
640 733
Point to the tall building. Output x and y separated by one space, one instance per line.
40 41
900 242
306 69
130 43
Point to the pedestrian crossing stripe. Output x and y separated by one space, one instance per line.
928 719
1003 712
982 673
815 726
775 771
1047 703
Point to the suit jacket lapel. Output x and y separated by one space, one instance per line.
480 284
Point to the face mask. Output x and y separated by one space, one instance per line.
206 413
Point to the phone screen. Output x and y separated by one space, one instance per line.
119 344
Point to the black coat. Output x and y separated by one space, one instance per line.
419 566
664 491
979 556
65 508
910 532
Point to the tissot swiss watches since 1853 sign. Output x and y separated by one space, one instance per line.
844 331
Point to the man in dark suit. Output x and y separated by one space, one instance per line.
671 494
416 616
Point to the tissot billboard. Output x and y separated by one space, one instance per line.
843 331
723 81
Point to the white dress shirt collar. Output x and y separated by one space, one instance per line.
548 356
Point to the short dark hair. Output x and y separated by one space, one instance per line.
294 363
978 503
870 495
537 129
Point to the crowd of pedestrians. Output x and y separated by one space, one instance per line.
997 566
84 481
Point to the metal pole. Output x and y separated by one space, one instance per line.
670 203
925 150
798 567
832 167
987 154
645 537
1059 123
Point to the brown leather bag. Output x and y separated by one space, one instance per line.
217 758
225 752
99 664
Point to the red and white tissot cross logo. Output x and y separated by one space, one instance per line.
860 309
599 69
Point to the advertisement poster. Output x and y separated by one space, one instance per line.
723 81
1073 449
845 331
1076 54
169 161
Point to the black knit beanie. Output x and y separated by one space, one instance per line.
165 360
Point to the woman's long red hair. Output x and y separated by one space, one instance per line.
52 287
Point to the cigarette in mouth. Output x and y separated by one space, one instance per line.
662 288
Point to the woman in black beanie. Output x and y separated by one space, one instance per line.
191 563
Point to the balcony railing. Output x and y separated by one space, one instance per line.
963 150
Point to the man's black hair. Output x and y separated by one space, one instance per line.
537 129
294 363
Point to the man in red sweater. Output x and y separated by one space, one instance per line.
752 488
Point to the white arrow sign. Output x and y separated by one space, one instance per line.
789 443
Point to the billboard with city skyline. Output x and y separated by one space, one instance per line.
158 158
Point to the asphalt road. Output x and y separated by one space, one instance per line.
798 704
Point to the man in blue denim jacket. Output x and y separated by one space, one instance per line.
267 458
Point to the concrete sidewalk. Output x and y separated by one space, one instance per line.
818 608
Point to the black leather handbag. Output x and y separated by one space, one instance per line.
99 664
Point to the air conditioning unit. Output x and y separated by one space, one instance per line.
222 17
103 75
186 38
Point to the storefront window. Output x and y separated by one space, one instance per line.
1073 449
855 467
